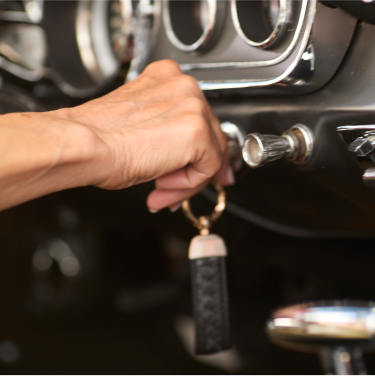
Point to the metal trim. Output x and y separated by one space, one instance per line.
186 67
14 16
18 70
32 13
208 32
211 245
146 23
241 84
367 127
309 143
282 21
86 43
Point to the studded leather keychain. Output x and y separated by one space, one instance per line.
207 254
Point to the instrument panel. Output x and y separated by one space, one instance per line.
254 44
266 50
232 46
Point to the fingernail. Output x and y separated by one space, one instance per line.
230 176
153 211
174 208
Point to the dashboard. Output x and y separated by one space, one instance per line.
253 51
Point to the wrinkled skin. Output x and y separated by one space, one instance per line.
158 126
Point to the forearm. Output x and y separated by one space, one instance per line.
41 153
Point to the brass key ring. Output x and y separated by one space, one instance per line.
204 222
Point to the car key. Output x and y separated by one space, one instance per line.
207 254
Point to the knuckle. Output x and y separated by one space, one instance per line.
189 87
171 64
198 128
194 105
167 65
188 83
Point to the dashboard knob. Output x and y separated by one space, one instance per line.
235 138
259 149
295 144
362 146
338 331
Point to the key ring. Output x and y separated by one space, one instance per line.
205 222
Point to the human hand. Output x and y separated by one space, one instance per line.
160 127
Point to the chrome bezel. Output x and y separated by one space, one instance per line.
309 143
282 21
263 153
94 51
307 15
209 34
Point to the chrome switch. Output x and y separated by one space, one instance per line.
362 146
295 145
360 141
235 139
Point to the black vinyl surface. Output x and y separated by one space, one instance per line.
210 305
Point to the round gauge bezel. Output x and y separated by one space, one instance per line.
216 11
285 11
73 63
93 40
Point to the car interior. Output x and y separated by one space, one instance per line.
91 282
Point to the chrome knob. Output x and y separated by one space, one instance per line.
235 139
362 146
337 331
259 149
295 144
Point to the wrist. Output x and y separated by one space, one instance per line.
85 149
44 153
